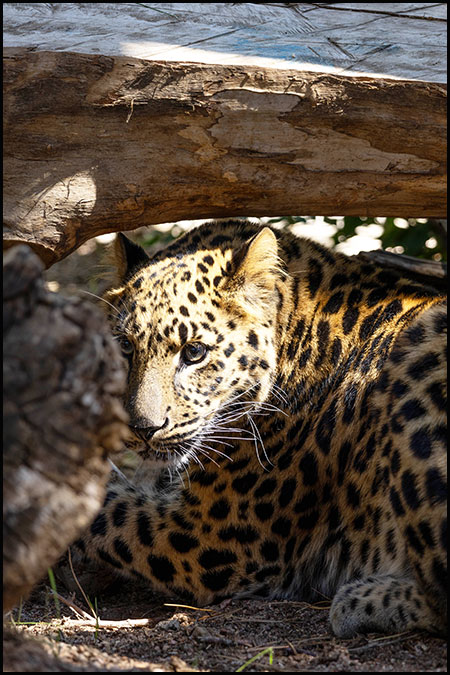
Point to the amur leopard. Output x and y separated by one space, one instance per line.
289 403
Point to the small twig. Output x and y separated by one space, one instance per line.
326 597
89 604
383 12
315 638
80 612
382 641
292 647
251 619
172 16
199 609
100 623
131 111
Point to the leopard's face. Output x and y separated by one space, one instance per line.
200 355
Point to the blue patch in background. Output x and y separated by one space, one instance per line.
272 50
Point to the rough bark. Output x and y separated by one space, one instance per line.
430 272
63 379
97 144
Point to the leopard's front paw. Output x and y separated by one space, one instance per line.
383 604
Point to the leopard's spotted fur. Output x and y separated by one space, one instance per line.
296 445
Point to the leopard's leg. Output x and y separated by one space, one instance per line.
414 461
381 604
155 535
125 535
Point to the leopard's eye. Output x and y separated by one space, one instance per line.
193 352
126 346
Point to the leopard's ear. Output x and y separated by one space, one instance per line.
129 257
257 266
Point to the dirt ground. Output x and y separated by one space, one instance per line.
240 635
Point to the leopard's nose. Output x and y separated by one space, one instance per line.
145 431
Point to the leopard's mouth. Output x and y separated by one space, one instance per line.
163 450
179 449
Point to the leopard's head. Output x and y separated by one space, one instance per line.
197 326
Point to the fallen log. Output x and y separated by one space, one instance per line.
96 144
429 272
63 379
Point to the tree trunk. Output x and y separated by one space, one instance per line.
63 379
96 144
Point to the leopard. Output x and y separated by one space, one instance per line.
288 406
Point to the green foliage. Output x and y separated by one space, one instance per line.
421 237
51 577
413 237
160 239
268 650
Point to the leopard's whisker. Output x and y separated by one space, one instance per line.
270 408
242 393
218 452
222 436
190 453
279 392
98 297
214 438
228 431
205 454
253 425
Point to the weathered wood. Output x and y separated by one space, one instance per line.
63 379
429 272
406 40
95 144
